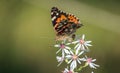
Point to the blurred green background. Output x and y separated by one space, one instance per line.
27 36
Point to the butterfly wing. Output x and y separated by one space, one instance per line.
56 14
63 23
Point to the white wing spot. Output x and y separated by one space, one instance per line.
57 14
51 13
54 18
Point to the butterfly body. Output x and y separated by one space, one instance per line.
64 24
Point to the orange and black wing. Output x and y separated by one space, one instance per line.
63 23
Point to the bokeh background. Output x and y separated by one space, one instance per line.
27 36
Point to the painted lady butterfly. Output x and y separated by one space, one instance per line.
64 24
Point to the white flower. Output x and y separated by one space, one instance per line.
89 61
64 48
68 71
82 44
74 58
60 60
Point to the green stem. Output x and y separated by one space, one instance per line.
81 67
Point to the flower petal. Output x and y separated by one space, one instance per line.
71 52
92 65
58 51
73 65
66 70
69 61
83 48
96 65
76 46
66 51
86 56
59 63
78 61
88 42
93 60
82 59
75 42
87 49
68 56
58 58
81 53
63 53
68 43
76 52
56 45
67 47
83 37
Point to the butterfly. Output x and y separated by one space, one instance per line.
64 24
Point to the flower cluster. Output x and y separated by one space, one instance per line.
74 57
